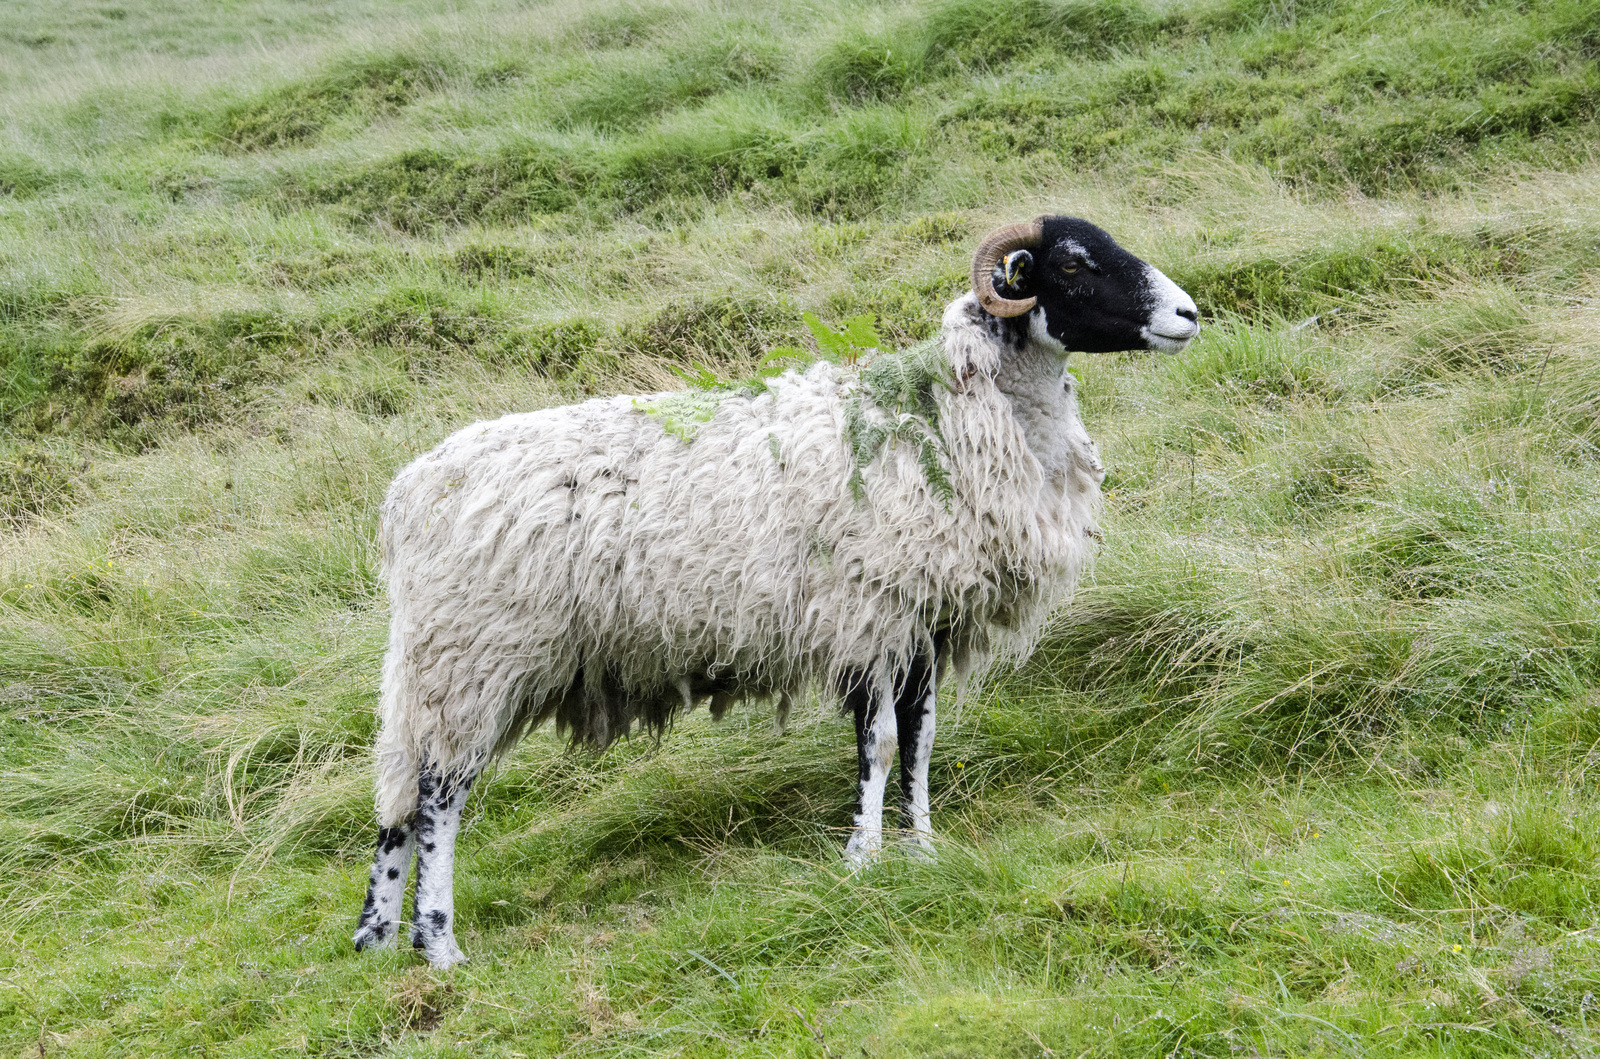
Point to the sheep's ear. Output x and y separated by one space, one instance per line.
1011 275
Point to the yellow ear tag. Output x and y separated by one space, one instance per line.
1014 264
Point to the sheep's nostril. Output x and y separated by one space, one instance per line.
1189 315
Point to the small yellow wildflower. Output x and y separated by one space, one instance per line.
1455 948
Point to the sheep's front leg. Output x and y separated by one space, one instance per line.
380 916
913 708
438 821
875 744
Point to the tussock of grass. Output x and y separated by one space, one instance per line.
362 90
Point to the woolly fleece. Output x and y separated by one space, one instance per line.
585 564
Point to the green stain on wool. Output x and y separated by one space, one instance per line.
900 385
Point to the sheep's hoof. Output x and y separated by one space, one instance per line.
447 958
863 850
374 936
439 948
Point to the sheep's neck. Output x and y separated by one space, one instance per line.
1043 400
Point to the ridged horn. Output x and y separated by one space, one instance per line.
995 246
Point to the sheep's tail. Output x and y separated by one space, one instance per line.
397 783
397 761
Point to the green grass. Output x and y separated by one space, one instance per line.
1307 768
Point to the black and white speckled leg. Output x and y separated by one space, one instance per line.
380 916
440 801
913 709
873 710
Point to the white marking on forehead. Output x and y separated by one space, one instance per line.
1075 247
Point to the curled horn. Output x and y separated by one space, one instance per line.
995 246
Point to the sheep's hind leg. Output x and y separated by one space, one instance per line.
913 708
440 800
875 743
380 916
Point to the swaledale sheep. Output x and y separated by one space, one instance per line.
864 531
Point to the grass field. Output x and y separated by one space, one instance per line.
1311 766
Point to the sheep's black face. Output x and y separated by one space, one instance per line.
1093 296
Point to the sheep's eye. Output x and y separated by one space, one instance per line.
1069 269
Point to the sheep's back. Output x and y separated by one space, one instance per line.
590 530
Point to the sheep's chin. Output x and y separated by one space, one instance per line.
1165 343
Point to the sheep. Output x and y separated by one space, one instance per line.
863 530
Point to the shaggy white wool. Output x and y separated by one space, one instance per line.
585 564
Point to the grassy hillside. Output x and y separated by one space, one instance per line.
1304 770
